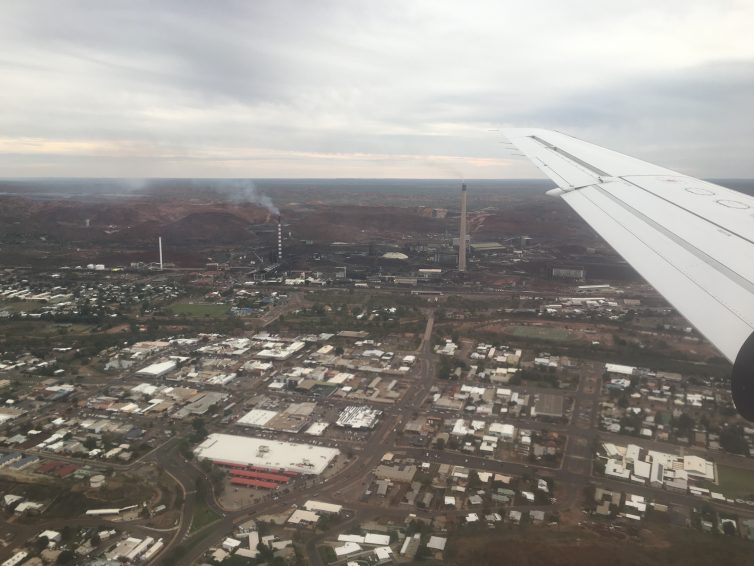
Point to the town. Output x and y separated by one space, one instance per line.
241 420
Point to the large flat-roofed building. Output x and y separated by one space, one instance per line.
265 453
256 418
279 351
312 505
200 404
403 474
158 369
566 272
549 405
358 417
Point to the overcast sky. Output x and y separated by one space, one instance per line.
368 89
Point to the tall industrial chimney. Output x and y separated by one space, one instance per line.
462 235
280 240
159 244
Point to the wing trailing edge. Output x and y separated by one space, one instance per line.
691 240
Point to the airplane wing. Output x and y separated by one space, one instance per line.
692 240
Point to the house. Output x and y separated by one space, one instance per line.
437 543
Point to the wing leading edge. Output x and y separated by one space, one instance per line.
692 240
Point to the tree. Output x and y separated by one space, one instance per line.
684 424
623 401
66 557
184 447
66 533
444 368
474 482
423 553
265 552
732 440
41 543
200 429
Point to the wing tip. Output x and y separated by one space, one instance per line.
527 132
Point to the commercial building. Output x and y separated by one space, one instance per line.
279 351
265 453
322 507
158 369
256 418
549 405
358 417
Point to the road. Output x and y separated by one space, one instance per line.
573 474
351 476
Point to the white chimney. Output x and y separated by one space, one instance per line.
159 244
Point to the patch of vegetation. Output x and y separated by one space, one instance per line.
540 332
732 440
734 482
199 309
327 554
202 517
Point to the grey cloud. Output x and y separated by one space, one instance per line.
190 88
698 119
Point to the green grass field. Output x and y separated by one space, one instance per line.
202 517
199 309
734 482
21 306
327 554
540 332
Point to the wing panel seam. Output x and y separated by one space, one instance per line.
682 243
685 209
588 166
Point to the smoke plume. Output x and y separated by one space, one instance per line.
244 191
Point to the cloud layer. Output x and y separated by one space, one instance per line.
368 89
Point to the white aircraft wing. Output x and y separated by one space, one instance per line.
692 240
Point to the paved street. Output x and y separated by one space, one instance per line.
346 486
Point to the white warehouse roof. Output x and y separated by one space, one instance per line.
265 453
256 417
156 370
312 505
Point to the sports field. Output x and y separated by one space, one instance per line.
199 309
734 482
541 332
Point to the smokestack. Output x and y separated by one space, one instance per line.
280 240
462 235
159 244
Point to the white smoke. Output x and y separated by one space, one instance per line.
244 191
